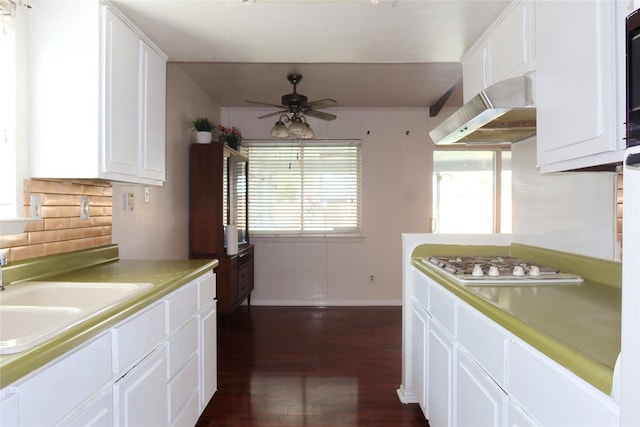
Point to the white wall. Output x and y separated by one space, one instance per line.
396 200
160 229
571 212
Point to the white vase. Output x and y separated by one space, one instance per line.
203 137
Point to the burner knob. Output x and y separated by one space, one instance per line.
534 270
477 271
518 271
493 271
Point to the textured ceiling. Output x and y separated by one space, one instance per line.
363 53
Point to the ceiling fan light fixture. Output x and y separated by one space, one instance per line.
296 128
308 132
279 130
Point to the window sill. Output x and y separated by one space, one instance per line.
10 226
307 238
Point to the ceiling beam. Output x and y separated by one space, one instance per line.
435 108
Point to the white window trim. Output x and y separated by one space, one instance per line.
297 235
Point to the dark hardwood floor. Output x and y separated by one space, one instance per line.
307 366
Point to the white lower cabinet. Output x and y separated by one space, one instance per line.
183 391
478 400
517 418
552 395
419 351
207 340
208 355
9 409
141 394
155 368
98 412
65 384
440 360
467 370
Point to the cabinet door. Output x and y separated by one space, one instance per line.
120 151
478 400
511 44
208 355
474 71
153 73
141 395
419 351
576 90
440 376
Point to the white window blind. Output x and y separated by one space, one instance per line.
303 188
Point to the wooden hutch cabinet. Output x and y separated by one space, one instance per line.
218 197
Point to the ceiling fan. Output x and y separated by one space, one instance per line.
297 104
293 110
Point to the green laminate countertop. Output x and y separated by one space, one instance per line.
95 265
577 325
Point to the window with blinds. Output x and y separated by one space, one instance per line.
305 188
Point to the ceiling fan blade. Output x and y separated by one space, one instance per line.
322 103
275 113
319 115
266 103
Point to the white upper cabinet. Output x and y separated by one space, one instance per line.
474 71
580 89
97 91
506 50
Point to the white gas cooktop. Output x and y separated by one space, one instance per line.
497 270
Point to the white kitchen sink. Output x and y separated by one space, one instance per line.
34 312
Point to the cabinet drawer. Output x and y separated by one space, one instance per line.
442 307
183 387
420 288
182 345
181 305
134 339
484 340
189 414
244 280
552 394
98 412
52 393
207 289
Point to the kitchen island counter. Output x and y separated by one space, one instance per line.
577 325
95 265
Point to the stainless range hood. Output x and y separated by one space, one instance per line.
502 113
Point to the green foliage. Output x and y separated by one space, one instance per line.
202 124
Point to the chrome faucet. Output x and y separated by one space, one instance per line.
3 261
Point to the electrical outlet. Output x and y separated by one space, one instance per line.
128 202
84 207
372 278
147 195
35 208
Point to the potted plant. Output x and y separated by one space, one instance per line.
230 136
203 127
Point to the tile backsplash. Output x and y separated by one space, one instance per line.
61 230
